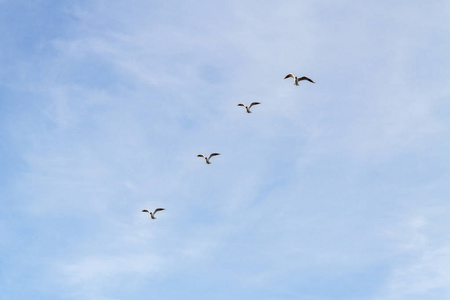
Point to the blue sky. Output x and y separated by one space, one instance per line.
327 191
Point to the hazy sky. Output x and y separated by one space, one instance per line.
337 190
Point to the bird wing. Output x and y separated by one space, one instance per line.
200 155
253 103
289 75
145 210
158 209
213 154
240 104
305 78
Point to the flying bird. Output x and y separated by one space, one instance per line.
297 79
248 108
152 214
207 159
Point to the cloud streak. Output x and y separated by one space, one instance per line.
312 194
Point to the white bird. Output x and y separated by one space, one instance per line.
248 108
297 79
152 214
207 159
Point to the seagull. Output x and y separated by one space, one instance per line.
152 214
207 159
297 79
248 108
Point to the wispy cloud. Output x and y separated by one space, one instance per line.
311 185
422 272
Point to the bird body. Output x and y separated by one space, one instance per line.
209 157
297 79
152 214
248 108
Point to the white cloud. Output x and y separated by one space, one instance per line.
422 272
139 90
